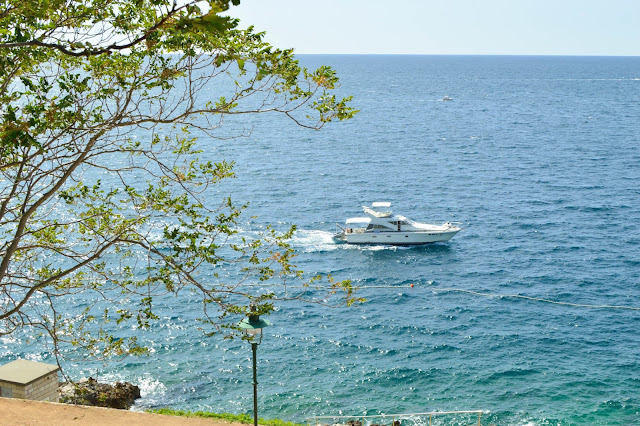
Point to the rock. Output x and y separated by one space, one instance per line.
90 392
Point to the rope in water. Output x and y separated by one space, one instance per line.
477 293
499 296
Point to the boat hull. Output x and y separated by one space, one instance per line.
396 238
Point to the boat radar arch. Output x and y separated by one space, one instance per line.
381 204
375 213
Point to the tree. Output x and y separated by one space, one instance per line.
103 189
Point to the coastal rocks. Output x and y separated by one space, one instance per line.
90 392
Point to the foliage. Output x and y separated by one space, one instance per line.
105 197
238 418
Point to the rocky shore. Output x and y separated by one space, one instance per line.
91 392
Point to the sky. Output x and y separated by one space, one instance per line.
453 27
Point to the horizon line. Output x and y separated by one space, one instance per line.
471 54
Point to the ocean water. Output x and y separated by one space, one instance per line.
538 157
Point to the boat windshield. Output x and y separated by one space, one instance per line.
360 220
410 222
383 227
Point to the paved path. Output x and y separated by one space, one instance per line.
36 413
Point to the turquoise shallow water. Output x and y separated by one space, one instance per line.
537 156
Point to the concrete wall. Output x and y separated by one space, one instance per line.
42 389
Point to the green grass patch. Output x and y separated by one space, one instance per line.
238 418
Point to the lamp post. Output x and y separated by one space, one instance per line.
252 327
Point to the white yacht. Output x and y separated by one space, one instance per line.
383 227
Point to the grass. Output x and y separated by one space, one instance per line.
239 418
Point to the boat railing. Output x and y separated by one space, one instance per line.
396 419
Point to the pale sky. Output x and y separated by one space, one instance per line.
461 27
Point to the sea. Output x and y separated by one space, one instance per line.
530 314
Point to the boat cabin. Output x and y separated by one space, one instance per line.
383 227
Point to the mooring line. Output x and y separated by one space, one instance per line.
498 296
537 299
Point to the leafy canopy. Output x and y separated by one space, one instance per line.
105 192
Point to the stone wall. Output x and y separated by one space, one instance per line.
43 389
32 380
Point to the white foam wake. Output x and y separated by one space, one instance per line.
313 240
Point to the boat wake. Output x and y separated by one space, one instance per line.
311 240
315 240
318 241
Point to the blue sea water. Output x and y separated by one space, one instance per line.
538 157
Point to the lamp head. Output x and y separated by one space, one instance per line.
252 327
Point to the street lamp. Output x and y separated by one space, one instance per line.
252 327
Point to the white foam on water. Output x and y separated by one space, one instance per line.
313 240
34 357
5 340
373 247
153 393
150 386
